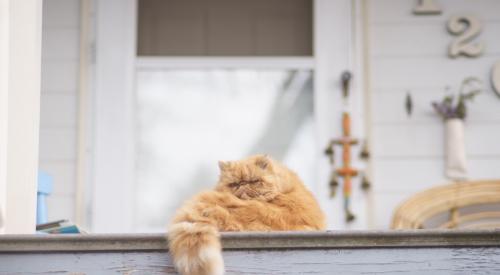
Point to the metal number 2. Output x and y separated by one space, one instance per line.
467 27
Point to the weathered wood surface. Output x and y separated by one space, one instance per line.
410 252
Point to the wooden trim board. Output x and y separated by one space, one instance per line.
258 240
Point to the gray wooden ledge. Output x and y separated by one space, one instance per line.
257 240
290 253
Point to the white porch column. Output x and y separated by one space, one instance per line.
20 61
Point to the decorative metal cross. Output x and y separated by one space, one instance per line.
346 171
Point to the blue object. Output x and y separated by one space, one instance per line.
70 229
45 183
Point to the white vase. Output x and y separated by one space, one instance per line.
456 162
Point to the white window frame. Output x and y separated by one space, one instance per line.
298 63
113 175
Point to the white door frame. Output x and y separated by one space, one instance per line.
113 156
114 123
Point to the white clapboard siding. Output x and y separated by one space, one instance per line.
58 111
384 204
417 72
61 14
389 107
60 44
426 39
63 173
61 207
408 53
413 174
58 122
59 76
427 139
400 11
57 144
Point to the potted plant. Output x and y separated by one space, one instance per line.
453 110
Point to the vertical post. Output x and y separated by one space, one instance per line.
4 86
84 140
113 161
20 61
363 30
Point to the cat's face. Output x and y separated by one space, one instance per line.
253 178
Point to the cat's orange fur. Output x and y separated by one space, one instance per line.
253 194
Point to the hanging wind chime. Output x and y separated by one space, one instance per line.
345 169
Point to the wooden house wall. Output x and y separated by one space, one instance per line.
409 53
58 118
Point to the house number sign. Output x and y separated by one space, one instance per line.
467 28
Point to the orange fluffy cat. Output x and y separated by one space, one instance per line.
253 194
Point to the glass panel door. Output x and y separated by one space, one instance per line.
187 120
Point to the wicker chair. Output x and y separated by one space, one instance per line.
414 212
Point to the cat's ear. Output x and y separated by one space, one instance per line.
223 165
263 161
